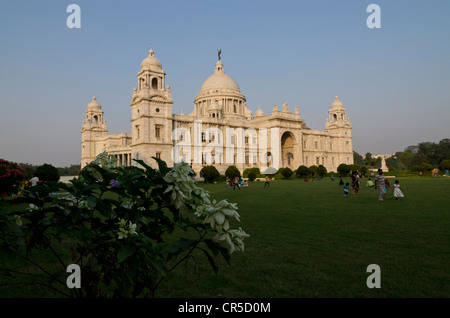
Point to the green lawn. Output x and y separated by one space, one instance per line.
307 240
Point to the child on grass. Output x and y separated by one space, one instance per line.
398 193
346 189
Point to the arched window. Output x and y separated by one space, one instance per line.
290 158
95 119
154 83
335 117
234 108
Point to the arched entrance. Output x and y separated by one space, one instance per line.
287 150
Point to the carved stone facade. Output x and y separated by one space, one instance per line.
220 130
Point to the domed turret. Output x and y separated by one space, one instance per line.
94 105
151 62
336 104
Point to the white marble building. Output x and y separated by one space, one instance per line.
220 130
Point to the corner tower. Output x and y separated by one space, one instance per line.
151 113
94 127
340 130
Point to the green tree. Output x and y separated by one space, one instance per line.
357 158
47 172
321 171
287 173
232 172
445 165
302 171
209 174
313 169
343 169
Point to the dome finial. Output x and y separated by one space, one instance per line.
151 53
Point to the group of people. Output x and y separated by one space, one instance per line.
381 184
237 182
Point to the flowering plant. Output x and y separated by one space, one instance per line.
11 174
125 226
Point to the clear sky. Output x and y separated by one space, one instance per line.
393 81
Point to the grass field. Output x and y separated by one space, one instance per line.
307 240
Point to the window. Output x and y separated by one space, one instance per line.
315 145
203 137
234 108
155 83
246 140
138 132
254 141
157 131
317 161
158 155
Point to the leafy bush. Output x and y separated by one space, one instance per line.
313 169
287 173
321 171
343 169
11 175
444 165
252 176
303 171
423 167
119 223
232 172
210 174
47 172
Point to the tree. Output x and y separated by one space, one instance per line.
343 169
210 174
302 171
321 171
47 172
287 173
445 165
423 167
313 169
232 172
354 167
251 176
357 158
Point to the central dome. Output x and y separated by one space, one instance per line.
219 81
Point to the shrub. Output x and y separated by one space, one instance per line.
210 174
313 169
343 169
232 172
321 171
47 172
444 165
287 173
11 175
252 176
119 224
303 171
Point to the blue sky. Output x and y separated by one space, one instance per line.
394 81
